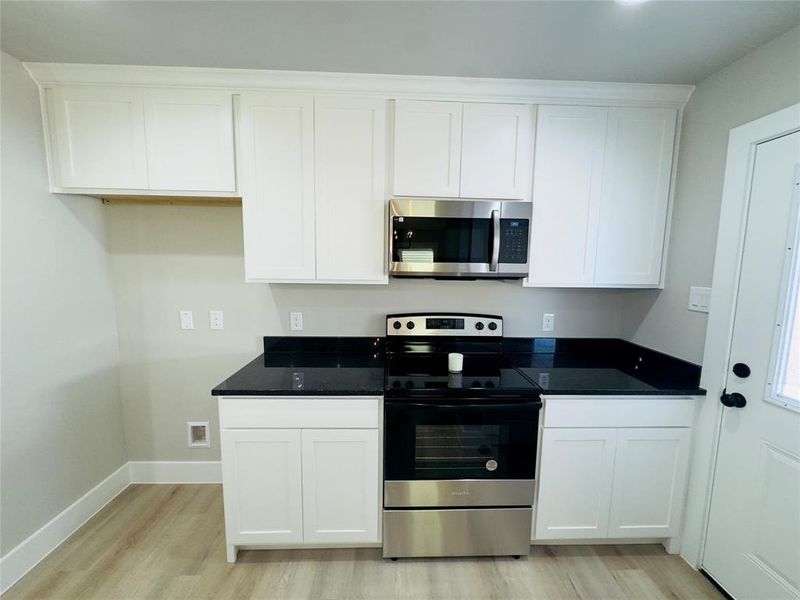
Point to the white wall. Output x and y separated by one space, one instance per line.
165 259
758 84
61 414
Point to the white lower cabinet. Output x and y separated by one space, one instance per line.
302 484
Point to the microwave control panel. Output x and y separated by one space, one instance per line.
514 241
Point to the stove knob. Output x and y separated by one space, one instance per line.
479 326
410 324
490 384
409 384
476 384
492 325
396 383
397 325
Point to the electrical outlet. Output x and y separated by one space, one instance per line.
187 320
296 321
699 299
548 322
215 319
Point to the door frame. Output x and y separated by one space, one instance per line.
742 144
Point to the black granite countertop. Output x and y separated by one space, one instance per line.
336 366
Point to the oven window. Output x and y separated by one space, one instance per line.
441 239
462 449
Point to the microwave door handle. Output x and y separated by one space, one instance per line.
495 240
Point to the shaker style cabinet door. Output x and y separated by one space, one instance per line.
189 140
649 482
635 197
427 148
276 160
341 485
261 485
98 137
567 183
575 483
497 151
350 173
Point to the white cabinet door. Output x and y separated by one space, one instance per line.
189 140
497 151
575 480
427 148
350 171
98 137
649 482
341 485
635 197
276 157
261 485
567 183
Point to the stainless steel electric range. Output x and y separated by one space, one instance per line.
459 448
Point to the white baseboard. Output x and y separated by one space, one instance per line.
30 552
176 471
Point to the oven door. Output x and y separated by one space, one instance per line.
459 439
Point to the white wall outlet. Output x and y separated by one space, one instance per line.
296 321
548 322
187 320
198 434
215 319
699 299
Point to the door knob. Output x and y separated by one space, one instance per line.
734 400
741 370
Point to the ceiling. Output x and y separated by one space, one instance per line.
656 42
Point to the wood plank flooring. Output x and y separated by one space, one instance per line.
168 541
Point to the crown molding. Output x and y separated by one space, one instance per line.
534 91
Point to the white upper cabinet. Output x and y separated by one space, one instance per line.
570 143
601 196
427 148
97 137
633 210
496 151
466 150
276 161
350 173
189 140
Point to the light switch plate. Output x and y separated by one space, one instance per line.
699 299
215 319
187 320
296 321
548 322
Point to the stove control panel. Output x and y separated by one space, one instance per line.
455 324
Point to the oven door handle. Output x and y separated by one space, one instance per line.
536 403
495 241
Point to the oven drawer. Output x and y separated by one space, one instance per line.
457 532
460 492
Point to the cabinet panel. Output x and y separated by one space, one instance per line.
567 183
496 151
341 485
350 152
427 148
189 140
98 137
261 475
575 482
276 155
635 197
649 482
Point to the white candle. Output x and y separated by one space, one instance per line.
455 362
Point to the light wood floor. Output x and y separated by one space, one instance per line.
168 541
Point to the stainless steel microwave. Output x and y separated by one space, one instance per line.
458 238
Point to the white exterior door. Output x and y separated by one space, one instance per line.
99 137
350 170
649 482
753 540
189 140
568 177
497 151
276 157
341 485
262 487
635 196
575 482
427 148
